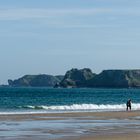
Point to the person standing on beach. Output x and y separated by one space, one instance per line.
128 105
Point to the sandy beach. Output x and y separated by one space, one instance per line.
74 126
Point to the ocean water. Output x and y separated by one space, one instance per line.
46 100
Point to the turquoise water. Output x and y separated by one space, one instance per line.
50 99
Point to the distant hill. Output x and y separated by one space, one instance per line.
117 78
82 78
36 81
107 78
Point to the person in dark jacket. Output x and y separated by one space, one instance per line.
128 105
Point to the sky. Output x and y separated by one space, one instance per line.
53 36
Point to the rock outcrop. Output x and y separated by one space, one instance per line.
35 81
77 78
82 78
106 79
117 78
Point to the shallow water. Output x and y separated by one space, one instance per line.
65 127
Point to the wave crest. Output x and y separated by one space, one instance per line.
76 107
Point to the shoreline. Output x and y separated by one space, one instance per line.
116 114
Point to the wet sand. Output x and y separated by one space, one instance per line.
93 115
131 136
71 126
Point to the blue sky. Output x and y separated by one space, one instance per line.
53 36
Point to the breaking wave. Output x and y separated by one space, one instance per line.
83 107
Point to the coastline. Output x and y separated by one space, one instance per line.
97 115
75 126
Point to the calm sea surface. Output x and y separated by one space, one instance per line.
56 100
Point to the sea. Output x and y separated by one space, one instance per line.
60 100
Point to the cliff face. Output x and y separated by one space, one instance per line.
36 81
77 78
107 78
82 78
111 78
118 78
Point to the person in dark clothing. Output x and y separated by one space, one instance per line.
128 105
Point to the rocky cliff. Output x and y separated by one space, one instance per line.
107 78
117 78
77 78
82 78
36 81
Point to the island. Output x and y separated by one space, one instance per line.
82 78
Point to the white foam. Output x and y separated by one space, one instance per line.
70 108
85 107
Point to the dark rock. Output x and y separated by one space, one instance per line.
116 78
82 78
77 78
35 81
